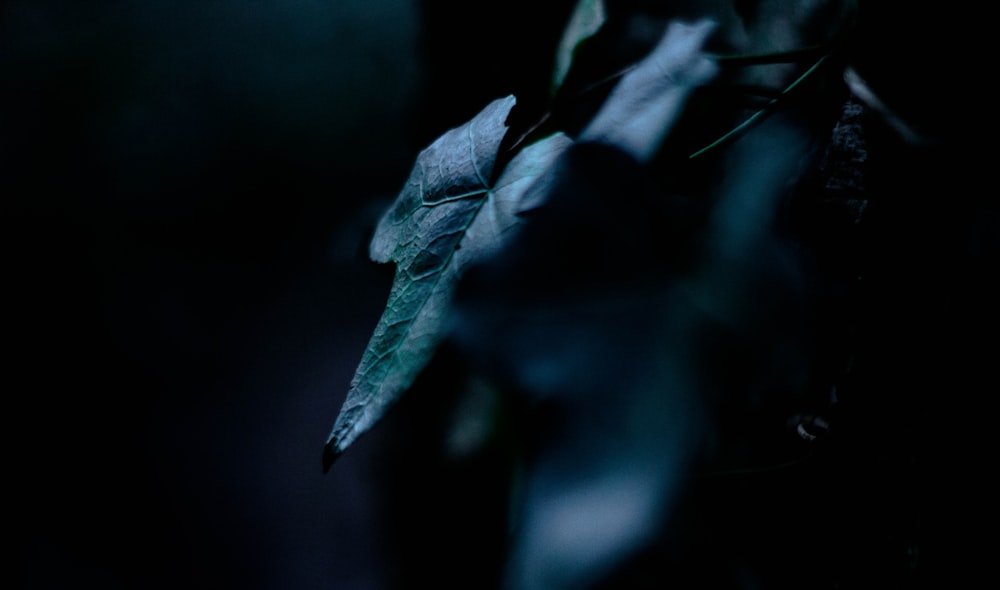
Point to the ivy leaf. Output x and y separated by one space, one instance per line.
448 215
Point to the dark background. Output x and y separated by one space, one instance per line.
187 187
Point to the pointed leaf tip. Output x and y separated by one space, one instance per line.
448 216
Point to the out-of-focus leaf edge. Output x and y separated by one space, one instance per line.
587 18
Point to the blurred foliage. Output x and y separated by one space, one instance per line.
715 368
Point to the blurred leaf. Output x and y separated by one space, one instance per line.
648 99
627 358
626 336
587 19
448 215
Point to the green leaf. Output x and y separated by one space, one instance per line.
447 216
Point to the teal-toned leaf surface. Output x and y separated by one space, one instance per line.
447 216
